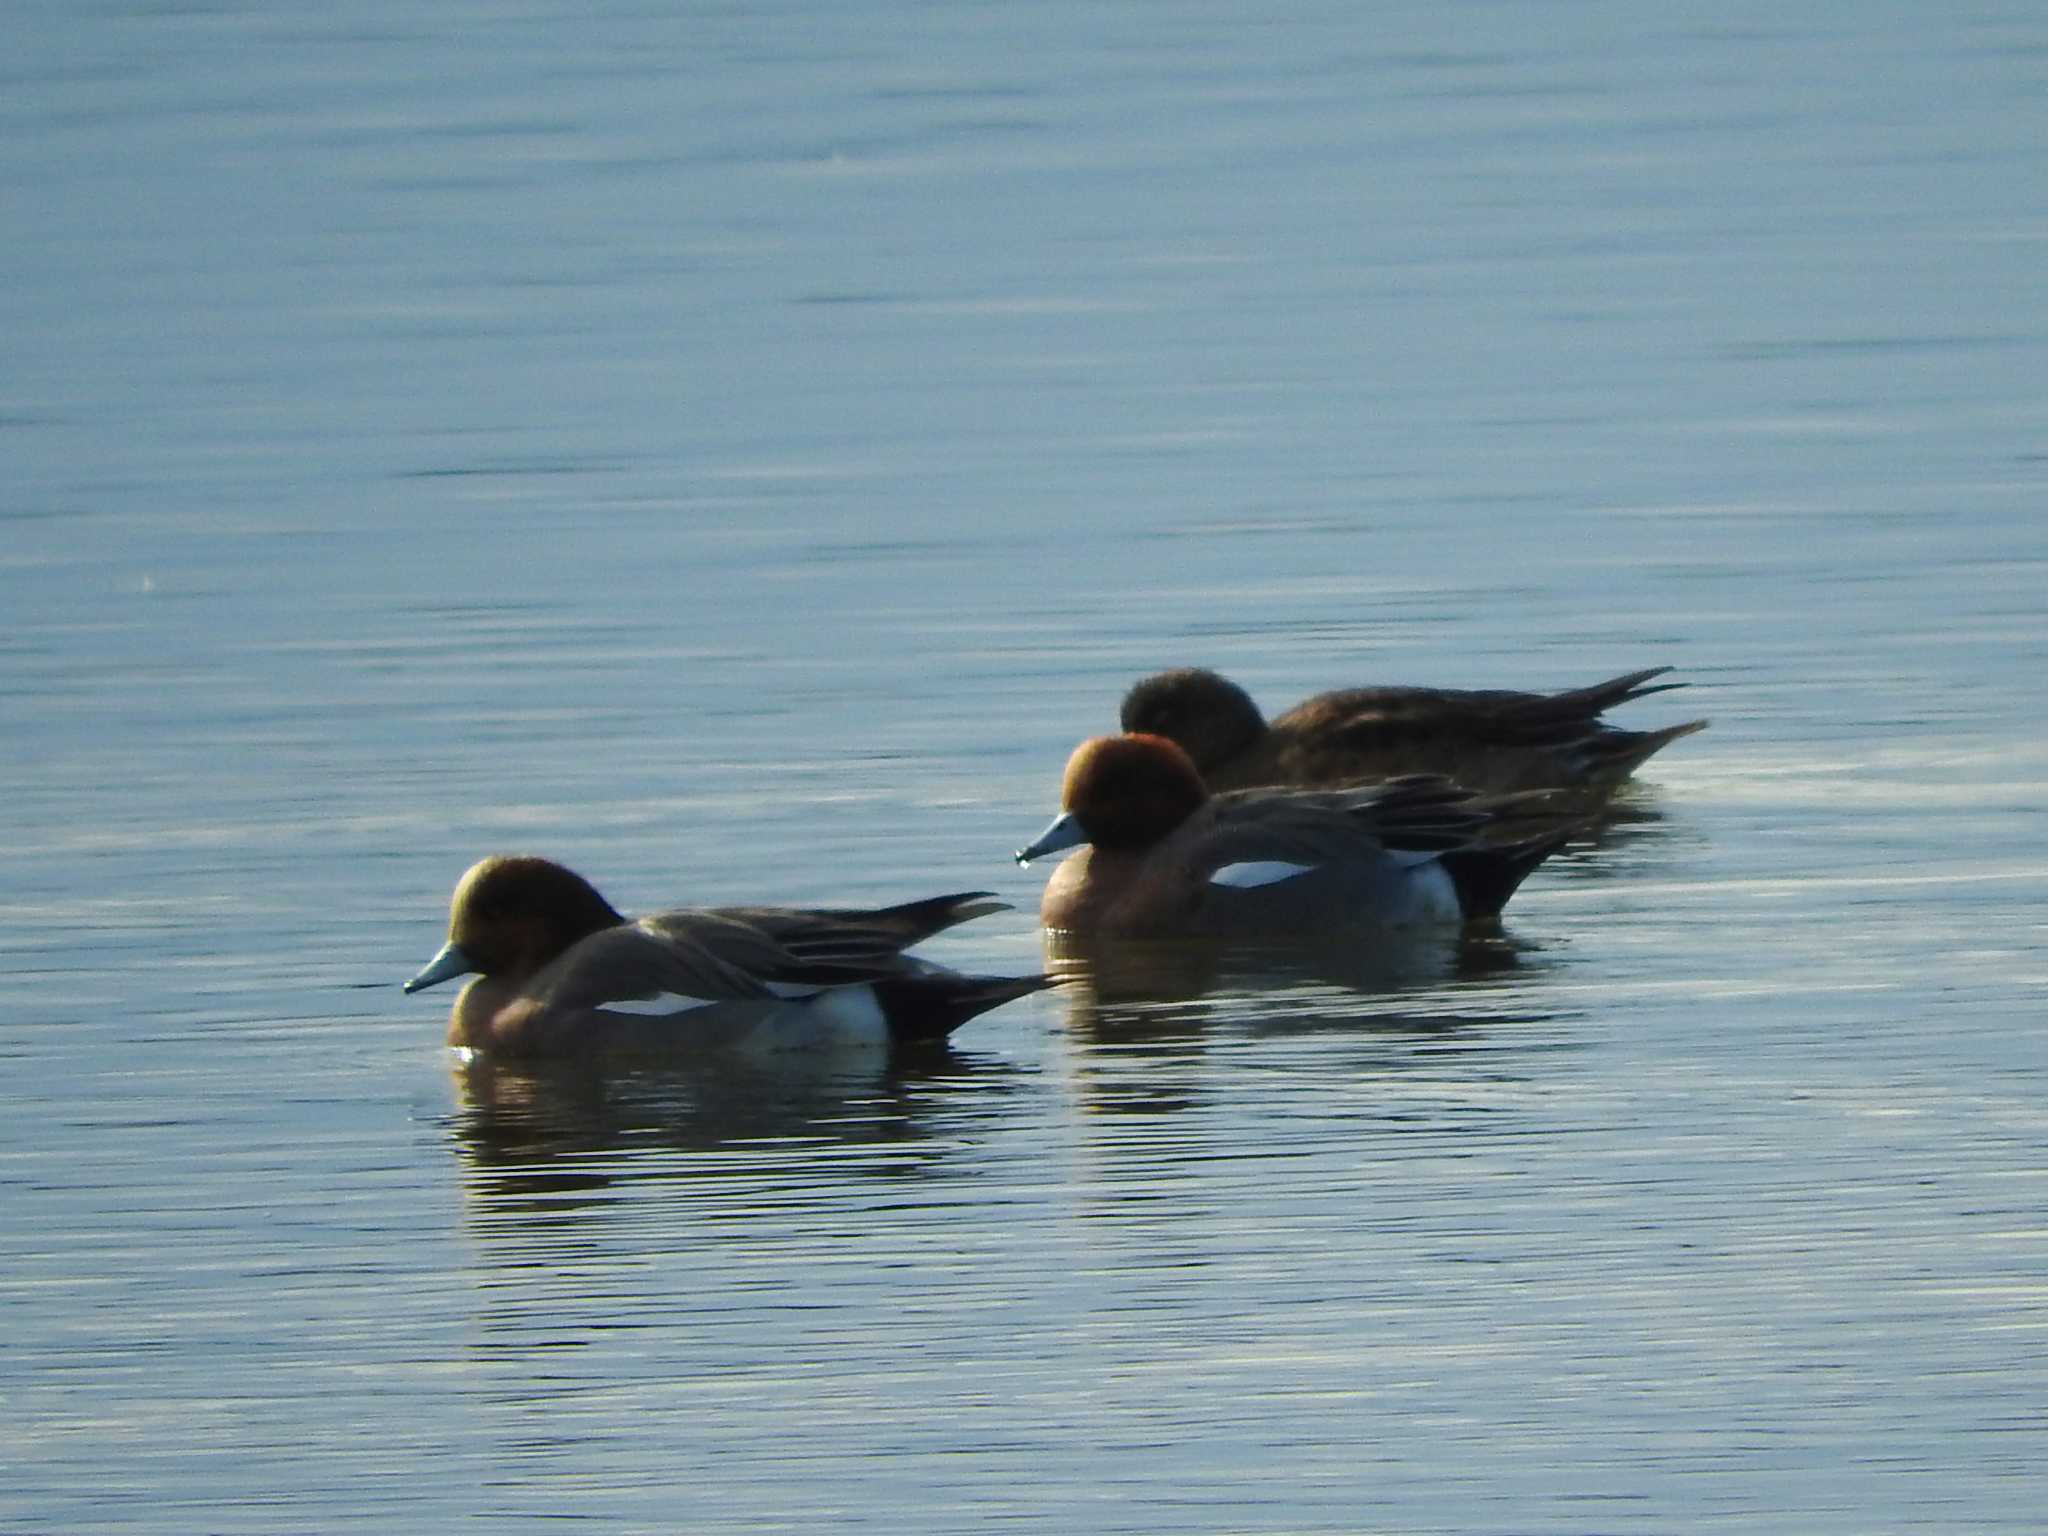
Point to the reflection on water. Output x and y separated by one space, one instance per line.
1164 1026
542 1129
1634 812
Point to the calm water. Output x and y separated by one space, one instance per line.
739 450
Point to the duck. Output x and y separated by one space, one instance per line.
1165 858
1493 740
559 972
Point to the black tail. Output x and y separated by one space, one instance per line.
924 1007
1485 877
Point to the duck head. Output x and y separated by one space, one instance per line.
1209 716
1123 793
511 915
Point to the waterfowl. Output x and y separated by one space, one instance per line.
559 972
1484 739
1166 859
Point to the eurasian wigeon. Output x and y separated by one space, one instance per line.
1166 859
1485 739
559 972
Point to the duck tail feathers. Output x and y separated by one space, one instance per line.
922 919
1614 755
1486 876
1598 698
924 1007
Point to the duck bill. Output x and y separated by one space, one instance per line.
1064 831
450 962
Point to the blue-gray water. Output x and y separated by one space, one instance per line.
739 450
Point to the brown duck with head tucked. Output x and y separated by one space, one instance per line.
558 972
1485 739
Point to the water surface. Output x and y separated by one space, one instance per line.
739 452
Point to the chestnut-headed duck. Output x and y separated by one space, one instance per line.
1485 739
1166 859
559 972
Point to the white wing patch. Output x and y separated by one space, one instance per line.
666 1005
662 1005
1258 872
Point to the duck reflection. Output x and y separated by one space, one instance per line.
1146 1017
541 1133
696 1200
1368 959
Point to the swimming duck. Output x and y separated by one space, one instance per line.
559 972
1166 859
1484 739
